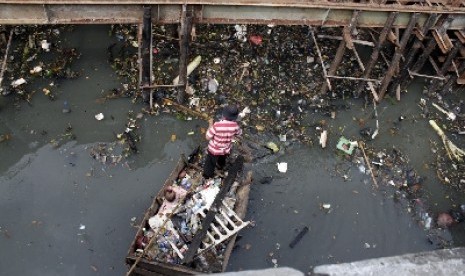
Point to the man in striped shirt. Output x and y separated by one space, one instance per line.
220 136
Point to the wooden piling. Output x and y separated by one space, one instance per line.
5 58
398 54
184 38
146 53
374 55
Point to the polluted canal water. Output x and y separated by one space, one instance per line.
64 212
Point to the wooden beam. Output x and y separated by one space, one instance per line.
146 52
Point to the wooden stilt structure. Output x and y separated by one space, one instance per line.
374 55
341 49
397 55
403 76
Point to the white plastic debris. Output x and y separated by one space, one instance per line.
216 60
18 82
244 112
45 45
241 32
282 167
82 227
326 205
323 138
450 115
135 44
36 70
282 137
194 102
213 85
99 116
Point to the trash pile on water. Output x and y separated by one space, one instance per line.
183 205
272 72
38 52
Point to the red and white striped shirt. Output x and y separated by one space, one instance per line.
220 135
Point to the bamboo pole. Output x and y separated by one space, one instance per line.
413 74
398 54
325 74
354 78
367 161
5 58
374 55
355 41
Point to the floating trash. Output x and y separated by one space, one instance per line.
99 116
272 146
282 167
345 145
18 82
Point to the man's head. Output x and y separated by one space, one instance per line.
230 112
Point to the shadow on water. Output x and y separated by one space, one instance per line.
64 213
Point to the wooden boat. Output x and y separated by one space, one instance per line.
212 259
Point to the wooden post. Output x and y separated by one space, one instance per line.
397 55
146 52
341 49
445 66
403 74
5 59
184 37
374 55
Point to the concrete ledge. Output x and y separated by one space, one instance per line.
439 262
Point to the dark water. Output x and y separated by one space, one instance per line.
64 213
